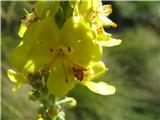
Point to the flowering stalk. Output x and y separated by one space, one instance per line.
61 46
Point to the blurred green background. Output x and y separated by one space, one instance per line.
134 67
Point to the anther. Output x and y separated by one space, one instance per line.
69 49
51 50
60 50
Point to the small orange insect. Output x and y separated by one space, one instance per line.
79 72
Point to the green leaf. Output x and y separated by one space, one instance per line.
60 18
67 9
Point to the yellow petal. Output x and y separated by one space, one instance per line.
22 29
105 21
101 88
61 78
14 88
76 34
111 42
105 10
94 71
40 117
16 77
39 43
102 35
29 66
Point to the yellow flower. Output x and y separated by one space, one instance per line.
94 71
55 49
97 14
70 53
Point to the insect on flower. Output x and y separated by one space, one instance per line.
54 55
79 72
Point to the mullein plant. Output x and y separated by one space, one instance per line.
61 46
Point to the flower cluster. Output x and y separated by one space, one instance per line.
62 45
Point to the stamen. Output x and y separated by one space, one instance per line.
69 49
65 75
51 50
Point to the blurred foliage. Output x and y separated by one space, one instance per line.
130 13
134 68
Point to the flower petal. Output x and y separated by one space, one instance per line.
84 51
46 8
16 77
39 45
101 88
105 21
74 29
105 10
98 69
94 71
61 78
77 35
102 35
22 29
111 42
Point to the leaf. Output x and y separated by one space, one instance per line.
67 9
